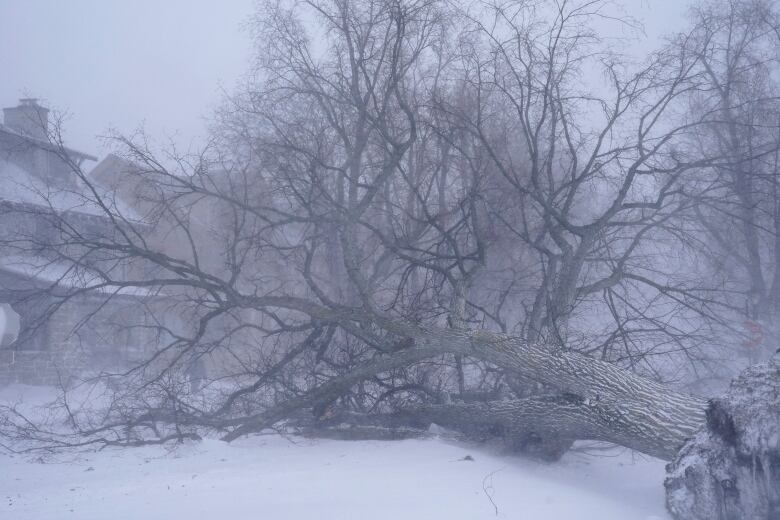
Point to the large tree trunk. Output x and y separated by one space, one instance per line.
546 426
612 403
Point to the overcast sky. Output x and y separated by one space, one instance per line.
159 63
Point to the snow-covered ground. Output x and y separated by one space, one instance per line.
272 477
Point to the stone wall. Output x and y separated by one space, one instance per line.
91 332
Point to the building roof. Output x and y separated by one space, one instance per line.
46 145
21 186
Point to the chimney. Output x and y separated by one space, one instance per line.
29 118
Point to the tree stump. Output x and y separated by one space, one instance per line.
730 470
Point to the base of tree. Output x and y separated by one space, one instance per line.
730 470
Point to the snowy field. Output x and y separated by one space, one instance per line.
271 477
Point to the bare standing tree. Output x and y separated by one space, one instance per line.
737 201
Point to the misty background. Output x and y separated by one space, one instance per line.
161 65
122 64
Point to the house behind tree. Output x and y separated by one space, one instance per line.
52 329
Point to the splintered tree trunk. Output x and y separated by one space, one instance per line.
604 401
730 470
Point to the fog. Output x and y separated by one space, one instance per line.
162 65
124 64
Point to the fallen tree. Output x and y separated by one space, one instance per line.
599 400
593 399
